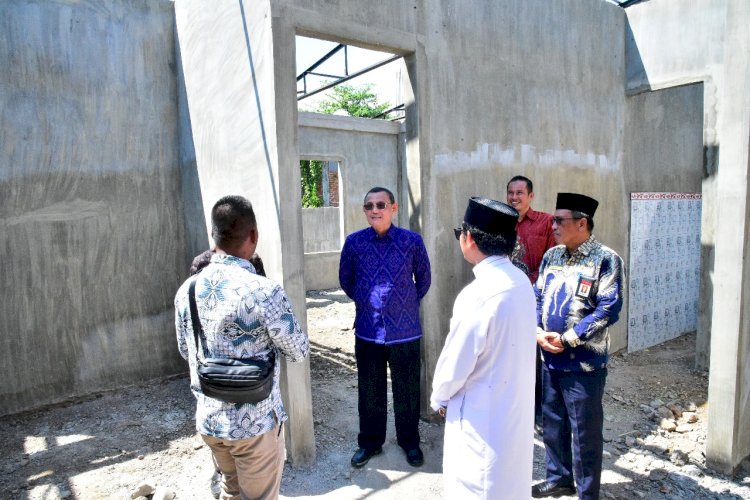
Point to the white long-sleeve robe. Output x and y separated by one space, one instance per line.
485 377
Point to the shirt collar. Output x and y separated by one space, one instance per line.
587 246
488 262
531 214
231 260
388 233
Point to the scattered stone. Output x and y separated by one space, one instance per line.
162 493
676 411
678 458
646 409
692 470
657 474
667 424
690 417
683 428
629 441
606 454
618 398
142 490
691 406
656 403
664 412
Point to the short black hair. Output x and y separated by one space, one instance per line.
581 215
232 219
491 244
516 178
378 189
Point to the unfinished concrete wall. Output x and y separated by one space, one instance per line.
368 154
90 209
669 45
228 60
321 228
492 90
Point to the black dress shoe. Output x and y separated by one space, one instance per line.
546 489
415 457
362 456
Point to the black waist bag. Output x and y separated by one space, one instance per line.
229 379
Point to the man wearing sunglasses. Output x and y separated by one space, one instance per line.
579 294
482 384
385 270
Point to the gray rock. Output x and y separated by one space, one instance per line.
667 424
676 411
678 458
630 441
144 489
657 474
656 403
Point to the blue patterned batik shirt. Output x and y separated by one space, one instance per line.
579 296
386 277
243 315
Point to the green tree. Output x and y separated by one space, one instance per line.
312 176
356 101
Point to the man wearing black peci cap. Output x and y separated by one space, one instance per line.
579 294
482 385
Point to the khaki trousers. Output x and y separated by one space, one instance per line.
250 468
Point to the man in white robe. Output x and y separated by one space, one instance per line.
483 383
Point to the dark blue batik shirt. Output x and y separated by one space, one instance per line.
386 277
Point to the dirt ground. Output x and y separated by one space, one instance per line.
105 446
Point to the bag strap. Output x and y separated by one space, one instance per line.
197 328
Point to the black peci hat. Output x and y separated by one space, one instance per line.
577 203
491 216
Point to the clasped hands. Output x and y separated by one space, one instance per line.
549 341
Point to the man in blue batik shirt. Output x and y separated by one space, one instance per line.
386 271
579 294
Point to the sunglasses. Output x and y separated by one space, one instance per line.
379 205
559 220
457 232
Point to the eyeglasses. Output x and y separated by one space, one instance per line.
559 220
457 232
380 205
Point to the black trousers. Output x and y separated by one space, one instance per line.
573 422
405 364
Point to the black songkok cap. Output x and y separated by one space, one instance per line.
577 203
491 216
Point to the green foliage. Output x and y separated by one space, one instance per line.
356 101
312 176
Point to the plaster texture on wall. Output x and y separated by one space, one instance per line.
505 95
233 101
90 208
367 150
321 228
669 44
322 270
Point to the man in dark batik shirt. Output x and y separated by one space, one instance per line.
386 271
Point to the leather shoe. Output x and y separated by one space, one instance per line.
546 489
362 456
415 457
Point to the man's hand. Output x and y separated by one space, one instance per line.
549 341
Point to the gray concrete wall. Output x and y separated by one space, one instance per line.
90 209
664 149
518 97
321 228
669 45
228 54
492 91
322 270
367 152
